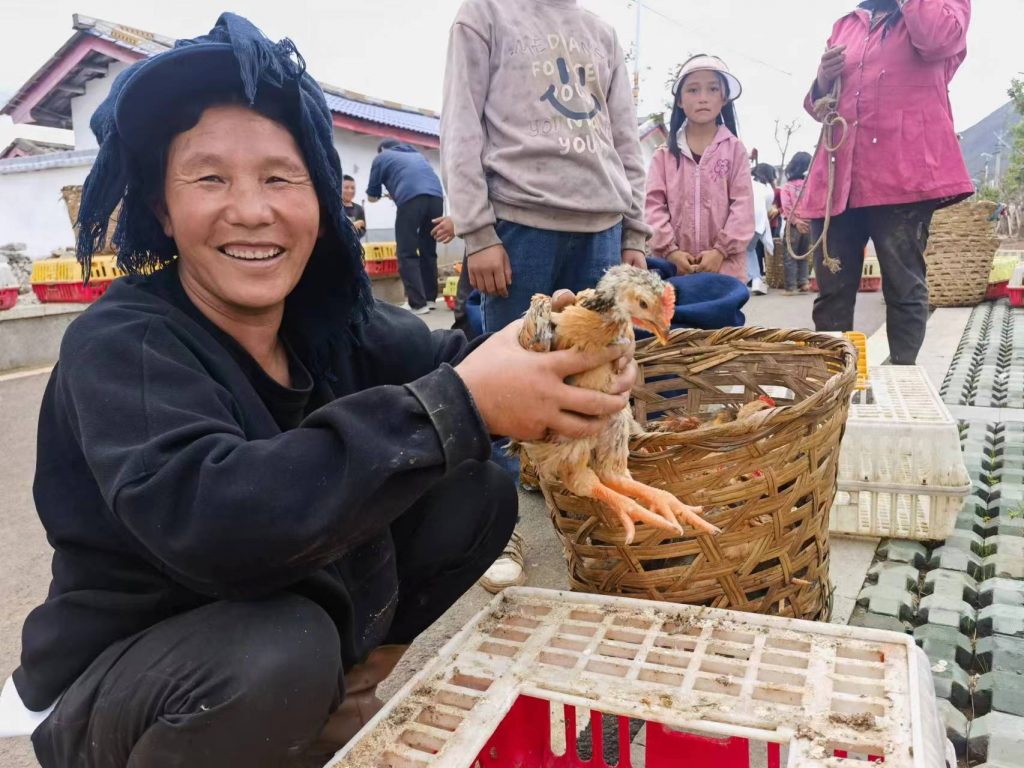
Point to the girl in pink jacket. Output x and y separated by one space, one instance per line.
899 162
699 191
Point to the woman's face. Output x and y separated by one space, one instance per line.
702 96
242 210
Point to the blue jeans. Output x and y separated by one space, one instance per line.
544 261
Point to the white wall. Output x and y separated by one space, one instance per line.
83 106
32 210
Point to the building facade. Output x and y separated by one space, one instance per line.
66 90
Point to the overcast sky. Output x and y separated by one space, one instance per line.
395 49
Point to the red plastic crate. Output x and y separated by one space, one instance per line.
71 292
1016 296
382 267
524 738
712 689
8 298
996 291
870 283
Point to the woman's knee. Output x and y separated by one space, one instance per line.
291 649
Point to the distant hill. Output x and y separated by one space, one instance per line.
981 139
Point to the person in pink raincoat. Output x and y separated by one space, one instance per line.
700 197
900 161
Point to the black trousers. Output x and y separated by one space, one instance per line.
900 235
796 270
251 683
417 250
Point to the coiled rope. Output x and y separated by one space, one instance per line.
826 109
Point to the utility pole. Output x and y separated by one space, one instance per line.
636 56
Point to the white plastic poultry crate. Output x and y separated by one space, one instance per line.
901 471
709 687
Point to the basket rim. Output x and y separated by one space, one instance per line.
757 425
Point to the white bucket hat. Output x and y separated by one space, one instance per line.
715 64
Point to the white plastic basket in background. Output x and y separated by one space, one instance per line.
901 471
711 687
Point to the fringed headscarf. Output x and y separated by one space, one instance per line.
234 61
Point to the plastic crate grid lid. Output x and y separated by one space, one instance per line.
816 688
900 435
900 393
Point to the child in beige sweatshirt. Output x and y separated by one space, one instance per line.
539 151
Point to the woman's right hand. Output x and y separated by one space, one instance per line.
523 395
831 67
490 271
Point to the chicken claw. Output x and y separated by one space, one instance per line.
629 512
661 503
684 512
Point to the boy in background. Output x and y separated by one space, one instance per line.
353 210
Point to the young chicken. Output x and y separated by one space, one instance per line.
722 416
595 467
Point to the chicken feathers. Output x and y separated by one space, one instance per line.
596 467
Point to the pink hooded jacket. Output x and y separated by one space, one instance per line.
696 208
901 146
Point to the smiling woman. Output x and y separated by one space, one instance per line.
240 205
259 484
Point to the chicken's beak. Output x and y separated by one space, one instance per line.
660 332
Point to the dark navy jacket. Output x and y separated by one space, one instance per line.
172 472
405 172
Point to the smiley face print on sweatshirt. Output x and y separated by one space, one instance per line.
568 92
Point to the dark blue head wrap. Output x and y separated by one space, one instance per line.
235 60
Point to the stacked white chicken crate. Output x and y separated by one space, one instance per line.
901 471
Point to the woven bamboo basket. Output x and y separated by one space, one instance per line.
768 480
775 267
962 245
72 195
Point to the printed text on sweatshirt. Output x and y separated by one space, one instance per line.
538 124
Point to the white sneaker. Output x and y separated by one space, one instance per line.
758 287
508 570
421 311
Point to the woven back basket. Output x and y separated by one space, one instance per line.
72 195
961 247
774 266
768 480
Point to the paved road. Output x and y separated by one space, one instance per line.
24 564
25 559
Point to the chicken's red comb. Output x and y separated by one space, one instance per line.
767 401
668 304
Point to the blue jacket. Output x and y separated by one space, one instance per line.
405 172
